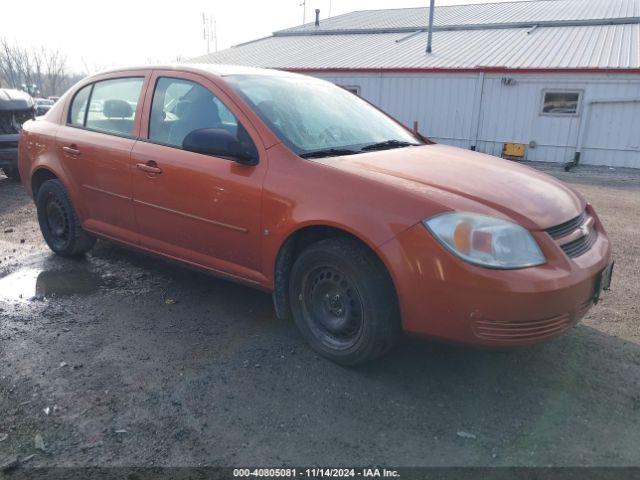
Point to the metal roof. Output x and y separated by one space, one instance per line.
588 47
482 15
531 35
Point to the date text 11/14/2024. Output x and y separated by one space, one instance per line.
315 473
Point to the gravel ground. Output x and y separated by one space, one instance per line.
122 359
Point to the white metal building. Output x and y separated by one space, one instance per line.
560 76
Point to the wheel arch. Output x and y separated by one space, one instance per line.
41 175
295 243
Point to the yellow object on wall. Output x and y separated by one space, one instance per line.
513 150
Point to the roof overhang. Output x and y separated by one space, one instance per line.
505 70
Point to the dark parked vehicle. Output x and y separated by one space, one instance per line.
16 107
43 105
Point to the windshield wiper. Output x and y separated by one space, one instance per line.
388 144
328 152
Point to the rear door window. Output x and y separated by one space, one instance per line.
112 105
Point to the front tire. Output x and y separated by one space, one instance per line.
343 301
59 223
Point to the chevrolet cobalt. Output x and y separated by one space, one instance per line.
359 227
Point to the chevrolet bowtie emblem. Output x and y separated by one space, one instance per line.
584 230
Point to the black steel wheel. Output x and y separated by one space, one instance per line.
343 301
333 305
59 223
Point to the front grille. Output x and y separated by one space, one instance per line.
8 144
566 228
11 122
523 330
580 245
528 330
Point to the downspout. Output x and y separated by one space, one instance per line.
477 110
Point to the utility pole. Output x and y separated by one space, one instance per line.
430 35
215 36
205 35
209 31
304 11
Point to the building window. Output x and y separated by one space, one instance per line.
355 89
561 102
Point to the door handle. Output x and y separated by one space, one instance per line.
149 167
72 150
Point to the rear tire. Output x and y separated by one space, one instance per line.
59 223
12 173
343 301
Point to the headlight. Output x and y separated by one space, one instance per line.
487 241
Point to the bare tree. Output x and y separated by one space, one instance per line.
56 71
40 71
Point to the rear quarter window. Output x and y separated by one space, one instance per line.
79 106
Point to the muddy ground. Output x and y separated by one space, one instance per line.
123 359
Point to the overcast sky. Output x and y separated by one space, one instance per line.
112 33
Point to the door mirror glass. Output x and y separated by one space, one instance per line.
220 143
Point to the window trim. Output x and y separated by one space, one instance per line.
148 139
73 99
354 89
86 113
578 111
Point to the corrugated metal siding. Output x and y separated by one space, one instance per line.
443 106
606 46
512 114
612 133
480 14
448 107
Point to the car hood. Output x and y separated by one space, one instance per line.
525 195
14 100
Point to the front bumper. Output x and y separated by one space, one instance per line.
444 297
9 151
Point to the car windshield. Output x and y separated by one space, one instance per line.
317 118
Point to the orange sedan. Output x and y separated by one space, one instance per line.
359 227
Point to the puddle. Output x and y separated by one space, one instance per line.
33 282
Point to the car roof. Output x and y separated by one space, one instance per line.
220 70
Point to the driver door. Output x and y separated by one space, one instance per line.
198 208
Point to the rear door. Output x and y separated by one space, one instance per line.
199 208
95 146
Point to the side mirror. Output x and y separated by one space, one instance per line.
219 143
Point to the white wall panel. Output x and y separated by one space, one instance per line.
443 106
